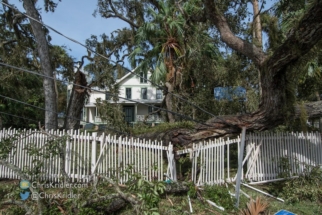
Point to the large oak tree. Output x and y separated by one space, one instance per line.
273 69
275 73
277 102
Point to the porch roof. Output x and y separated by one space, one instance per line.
122 101
146 101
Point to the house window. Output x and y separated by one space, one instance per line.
159 94
144 93
128 93
143 77
107 96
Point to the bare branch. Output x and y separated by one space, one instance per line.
250 50
301 40
126 196
120 16
81 63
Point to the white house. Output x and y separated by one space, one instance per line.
138 90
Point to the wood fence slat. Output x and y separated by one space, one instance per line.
265 152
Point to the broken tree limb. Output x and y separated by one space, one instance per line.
177 187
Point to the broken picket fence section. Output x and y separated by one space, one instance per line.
268 156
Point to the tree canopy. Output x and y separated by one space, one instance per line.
191 47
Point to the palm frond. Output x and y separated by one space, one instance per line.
256 207
160 72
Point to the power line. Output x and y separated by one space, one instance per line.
131 71
18 116
40 108
131 100
15 100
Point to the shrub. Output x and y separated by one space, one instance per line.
220 195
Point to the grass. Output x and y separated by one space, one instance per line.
179 204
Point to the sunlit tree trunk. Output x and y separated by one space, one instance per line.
46 69
257 27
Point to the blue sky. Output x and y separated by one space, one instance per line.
75 20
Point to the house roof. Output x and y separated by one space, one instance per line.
128 75
125 77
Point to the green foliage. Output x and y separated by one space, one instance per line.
18 48
163 127
193 190
220 195
113 115
7 145
14 210
284 167
148 194
306 187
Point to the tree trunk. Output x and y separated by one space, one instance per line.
43 53
320 124
76 102
118 203
168 101
257 36
224 126
257 27
275 99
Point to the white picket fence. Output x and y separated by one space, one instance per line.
211 161
270 156
86 155
120 158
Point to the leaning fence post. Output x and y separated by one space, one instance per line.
171 163
94 148
240 165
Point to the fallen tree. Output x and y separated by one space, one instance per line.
277 99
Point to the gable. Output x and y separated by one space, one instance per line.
131 79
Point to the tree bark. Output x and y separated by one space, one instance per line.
257 36
225 126
76 102
118 203
257 27
168 101
43 53
273 69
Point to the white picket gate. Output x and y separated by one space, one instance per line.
281 154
